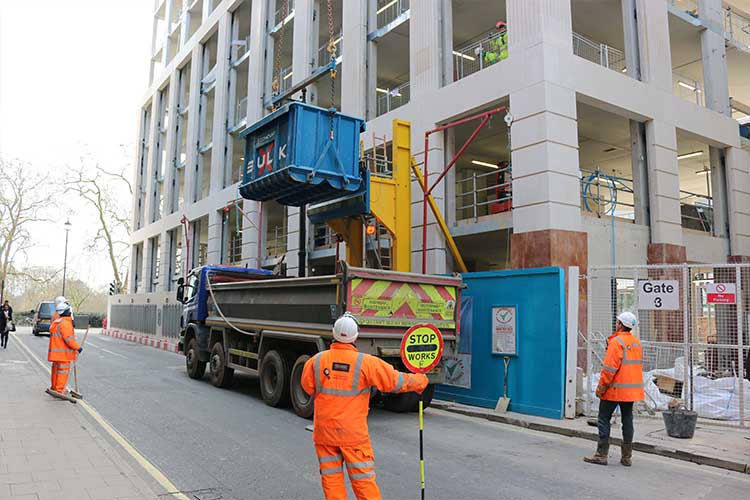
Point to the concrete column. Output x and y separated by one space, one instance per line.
425 47
653 41
169 168
714 57
164 258
535 22
221 98
148 205
738 190
168 18
305 43
251 223
133 276
546 186
193 125
354 70
371 95
148 263
664 194
213 253
141 171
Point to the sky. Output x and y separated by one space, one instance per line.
72 77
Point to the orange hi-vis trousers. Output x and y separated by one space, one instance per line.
360 464
60 376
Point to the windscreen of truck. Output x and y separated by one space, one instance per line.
46 309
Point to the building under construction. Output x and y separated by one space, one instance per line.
626 139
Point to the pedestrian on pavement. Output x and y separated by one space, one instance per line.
620 384
63 347
340 380
4 328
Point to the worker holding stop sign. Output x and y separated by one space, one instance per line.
421 350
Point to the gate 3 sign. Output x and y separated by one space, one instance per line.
659 295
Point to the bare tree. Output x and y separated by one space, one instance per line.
107 193
22 199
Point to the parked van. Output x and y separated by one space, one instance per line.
43 317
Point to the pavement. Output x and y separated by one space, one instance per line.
227 444
52 449
726 446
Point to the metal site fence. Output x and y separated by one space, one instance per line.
599 53
693 326
146 318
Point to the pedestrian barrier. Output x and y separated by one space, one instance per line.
693 326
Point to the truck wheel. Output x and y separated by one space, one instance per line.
221 376
301 401
274 379
408 401
195 367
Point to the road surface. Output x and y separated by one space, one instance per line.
227 444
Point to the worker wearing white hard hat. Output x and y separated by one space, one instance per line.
339 380
620 385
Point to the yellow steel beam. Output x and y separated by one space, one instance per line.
441 222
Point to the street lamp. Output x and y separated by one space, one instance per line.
67 226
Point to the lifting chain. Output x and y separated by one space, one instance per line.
332 58
277 50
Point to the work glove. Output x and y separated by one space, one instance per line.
80 350
422 382
600 390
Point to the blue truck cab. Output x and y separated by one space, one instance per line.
193 293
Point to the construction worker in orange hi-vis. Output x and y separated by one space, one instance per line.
620 384
63 347
340 380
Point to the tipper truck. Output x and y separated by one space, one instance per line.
252 321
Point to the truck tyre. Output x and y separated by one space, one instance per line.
195 367
274 379
408 401
301 401
221 376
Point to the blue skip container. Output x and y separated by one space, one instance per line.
290 158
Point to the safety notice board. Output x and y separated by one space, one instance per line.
504 338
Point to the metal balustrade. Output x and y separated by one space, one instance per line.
389 10
390 99
599 53
483 194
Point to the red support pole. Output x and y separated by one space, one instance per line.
424 205
458 155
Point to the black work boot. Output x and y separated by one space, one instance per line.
627 454
600 457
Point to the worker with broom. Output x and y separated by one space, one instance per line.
63 348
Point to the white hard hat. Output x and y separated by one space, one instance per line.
61 307
345 329
627 319
60 299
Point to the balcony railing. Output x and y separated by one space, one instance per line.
389 10
689 6
276 241
240 111
390 99
605 195
688 89
599 53
696 211
322 237
285 79
472 57
737 27
281 14
483 194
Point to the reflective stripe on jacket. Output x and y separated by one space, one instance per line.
62 340
622 373
340 380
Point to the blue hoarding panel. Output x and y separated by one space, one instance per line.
536 380
290 157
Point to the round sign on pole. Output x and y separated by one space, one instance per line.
421 348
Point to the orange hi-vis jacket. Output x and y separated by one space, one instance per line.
340 380
62 340
622 373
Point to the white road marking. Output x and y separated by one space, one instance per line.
89 343
113 353
158 476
